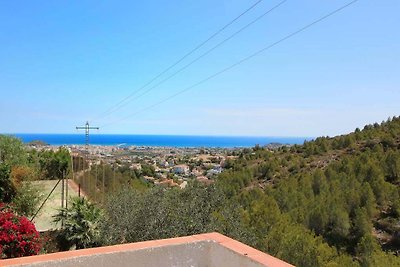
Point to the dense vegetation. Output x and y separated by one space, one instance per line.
19 198
343 192
103 179
328 202
19 166
80 223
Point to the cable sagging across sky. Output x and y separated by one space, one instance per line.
122 102
199 57
237 63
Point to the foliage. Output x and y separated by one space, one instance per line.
81 223
317 204
148 170
27 199
158 213
301 247
370 255
104 179
7 188
12 151
330 192
253 218
55 164
18 236
17 168
21 173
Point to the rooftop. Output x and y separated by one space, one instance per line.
211 249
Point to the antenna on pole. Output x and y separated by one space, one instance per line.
87 129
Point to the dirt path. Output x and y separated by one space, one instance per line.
74 186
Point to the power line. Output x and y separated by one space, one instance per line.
200 57
239 62
111 109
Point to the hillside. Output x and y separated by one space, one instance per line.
345 190
329 202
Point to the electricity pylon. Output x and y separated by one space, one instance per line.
87 129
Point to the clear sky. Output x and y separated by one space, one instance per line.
65 62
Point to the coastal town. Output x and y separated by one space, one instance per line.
159 166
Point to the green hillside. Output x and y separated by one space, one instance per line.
326 200
329 202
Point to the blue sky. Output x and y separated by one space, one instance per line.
65 62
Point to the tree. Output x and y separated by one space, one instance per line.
7 188
300 247
366 249
148 170
12 151
339 225
362 224
157 213
55 164
393 166
81 223
319 183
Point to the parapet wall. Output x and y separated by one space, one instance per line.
211 250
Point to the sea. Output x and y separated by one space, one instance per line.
160 140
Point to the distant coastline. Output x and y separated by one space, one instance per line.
160 140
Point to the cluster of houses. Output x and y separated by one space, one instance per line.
170 166
177 171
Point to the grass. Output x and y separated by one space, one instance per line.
44 220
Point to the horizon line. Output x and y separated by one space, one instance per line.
144 134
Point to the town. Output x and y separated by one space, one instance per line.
160 166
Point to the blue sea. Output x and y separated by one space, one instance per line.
160 140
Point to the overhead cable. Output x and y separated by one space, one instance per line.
121 103
237 63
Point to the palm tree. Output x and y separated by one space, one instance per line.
81 223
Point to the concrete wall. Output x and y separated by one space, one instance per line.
197 254
222 256
191 254
205 250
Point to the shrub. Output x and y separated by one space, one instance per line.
18 236
81 224
27 199
7 188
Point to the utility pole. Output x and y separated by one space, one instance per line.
95 185
72 177
87 129
66 194
62 197
104 188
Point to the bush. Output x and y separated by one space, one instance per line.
7 188
18 236
27 199
81 224
134 216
